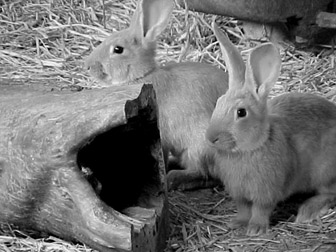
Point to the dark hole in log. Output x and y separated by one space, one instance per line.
292 21
331 7
123 161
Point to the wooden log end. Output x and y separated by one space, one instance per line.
86 166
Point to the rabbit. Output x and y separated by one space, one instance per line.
186 92
269 149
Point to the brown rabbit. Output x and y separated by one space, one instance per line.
270 149
186 92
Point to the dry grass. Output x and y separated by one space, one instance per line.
201 218
46 41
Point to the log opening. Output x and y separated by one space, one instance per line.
122 161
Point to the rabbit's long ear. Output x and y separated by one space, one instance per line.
135 25
263 69
233 60
151 18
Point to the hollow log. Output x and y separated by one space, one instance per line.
84 166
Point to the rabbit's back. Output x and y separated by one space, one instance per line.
304 107
186 95
309 122
199 84
306 116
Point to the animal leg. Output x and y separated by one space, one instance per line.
314 207
244 213
189 180
259 221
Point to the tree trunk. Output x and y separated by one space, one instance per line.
304 12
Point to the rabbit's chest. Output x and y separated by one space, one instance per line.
252 178
237 178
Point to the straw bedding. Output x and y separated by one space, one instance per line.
44 43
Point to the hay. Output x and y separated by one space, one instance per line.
12 239
45 42
200 221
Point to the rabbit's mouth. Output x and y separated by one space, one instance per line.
104 77
108 78
97 71
223 142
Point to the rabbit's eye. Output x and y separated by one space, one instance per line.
241 112
118 49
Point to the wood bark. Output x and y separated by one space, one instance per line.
266 11
257 10
47 139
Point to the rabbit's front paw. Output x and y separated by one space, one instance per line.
255 229
174 181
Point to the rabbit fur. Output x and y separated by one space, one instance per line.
269 149
186 92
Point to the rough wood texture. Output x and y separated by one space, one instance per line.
47 138
266 11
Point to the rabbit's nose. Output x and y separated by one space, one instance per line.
94 66
212 135
89 64
96 69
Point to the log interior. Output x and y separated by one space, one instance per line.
123 161
126 169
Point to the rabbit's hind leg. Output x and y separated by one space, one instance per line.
194 173
189 180
316 206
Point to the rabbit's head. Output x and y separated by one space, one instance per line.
239 121
129 54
